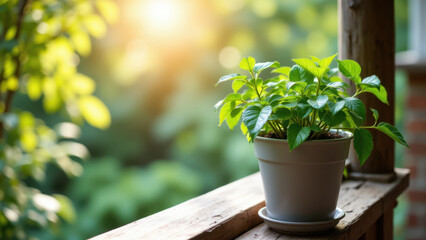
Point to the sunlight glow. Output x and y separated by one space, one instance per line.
163 16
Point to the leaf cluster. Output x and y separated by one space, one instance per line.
303 102
40 44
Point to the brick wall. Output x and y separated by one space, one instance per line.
416 155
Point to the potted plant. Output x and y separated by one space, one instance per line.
302 121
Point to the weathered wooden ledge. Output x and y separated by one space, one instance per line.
231 212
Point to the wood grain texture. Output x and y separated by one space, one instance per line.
231 211
223 213
367 35
364 202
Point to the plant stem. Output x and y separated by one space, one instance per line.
274 129
314 116
280 128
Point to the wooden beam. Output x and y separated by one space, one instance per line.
223 213
367 35
231 211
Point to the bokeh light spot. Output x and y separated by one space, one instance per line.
37 14
42 28
264 8
229 6
229 57
278 33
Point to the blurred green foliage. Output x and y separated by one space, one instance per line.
39 42
163 145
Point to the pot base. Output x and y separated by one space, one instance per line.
301 228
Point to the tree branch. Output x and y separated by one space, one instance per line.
10 94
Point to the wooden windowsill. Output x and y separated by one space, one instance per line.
231 212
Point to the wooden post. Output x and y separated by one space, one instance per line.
367 35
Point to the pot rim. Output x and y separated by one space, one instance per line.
349 134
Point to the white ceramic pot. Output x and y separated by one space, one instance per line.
302 185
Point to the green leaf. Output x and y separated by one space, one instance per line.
381 94
310 65
81 42
273 83
282 113
28 140
336 107
237 85
371 81
258 82
392 132
354 119
83 84
52 102
325 62
349 68
333 120
229 98
274 100
259 67
337 84
225 111
289 104
296 135
303 110
244 130
248 94
348 123
12 83
108 9
233 76
233 118
34 85
232 97
363 144
319 102
248 64
94 25
297 74
315 59
305 63
66 210
94 111
255 117
282 70
315 128
375 115
356 79
296 86
356 106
